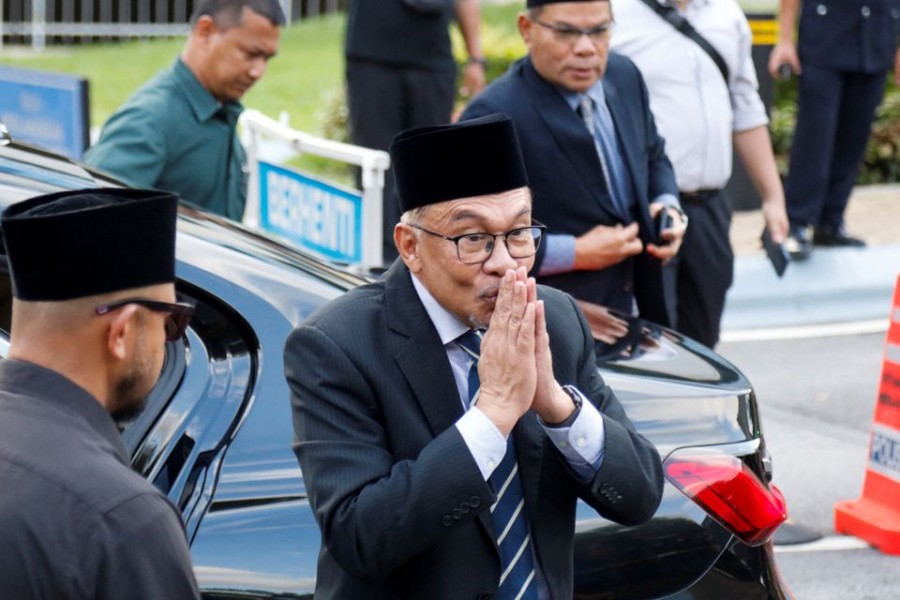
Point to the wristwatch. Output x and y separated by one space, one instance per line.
477 61
577 399
681 213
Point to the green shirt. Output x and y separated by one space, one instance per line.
173 135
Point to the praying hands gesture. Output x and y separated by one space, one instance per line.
516 368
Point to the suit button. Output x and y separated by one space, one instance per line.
866 11
822 10
485 596
456 514
465 507
447 521
475 501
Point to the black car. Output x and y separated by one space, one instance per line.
216 435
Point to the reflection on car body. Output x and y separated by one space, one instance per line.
216 436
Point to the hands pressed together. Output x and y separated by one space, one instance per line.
516 368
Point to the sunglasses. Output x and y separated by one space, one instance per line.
178 314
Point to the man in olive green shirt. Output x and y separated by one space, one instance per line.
177 132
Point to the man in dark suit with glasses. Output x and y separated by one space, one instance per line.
448 417
596 165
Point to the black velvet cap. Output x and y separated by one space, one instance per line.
80 243
536 3
448 162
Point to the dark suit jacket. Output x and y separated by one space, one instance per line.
402 505
849 35
566 179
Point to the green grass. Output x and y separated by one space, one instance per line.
302 80
305 80
112 70
308 66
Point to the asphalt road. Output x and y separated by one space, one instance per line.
817 397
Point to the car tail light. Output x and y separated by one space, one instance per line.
728 491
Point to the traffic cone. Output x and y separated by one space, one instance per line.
875 516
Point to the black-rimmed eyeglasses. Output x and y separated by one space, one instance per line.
476 248
569 34
178 314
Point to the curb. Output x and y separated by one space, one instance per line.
835 285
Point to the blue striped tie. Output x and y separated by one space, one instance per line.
601 127
508 513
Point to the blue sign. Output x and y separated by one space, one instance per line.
311 213
45 109
884 451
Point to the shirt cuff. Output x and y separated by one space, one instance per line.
668 200
559 256
484 440
581 444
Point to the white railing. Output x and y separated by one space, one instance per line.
39 20
257 128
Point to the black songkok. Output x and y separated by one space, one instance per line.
449 162
81 243
536 3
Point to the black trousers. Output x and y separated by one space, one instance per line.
835 111
384 100
704 268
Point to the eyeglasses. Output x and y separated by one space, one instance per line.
567 34
177 318
476 248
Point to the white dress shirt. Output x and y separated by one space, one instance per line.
695 111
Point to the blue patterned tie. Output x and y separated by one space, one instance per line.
599 123
508 513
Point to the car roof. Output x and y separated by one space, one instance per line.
27 171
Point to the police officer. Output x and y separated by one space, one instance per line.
843 50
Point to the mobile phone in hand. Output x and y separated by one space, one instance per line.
785 71
662 221
777 254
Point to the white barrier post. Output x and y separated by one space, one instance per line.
373 164
38 24
250 140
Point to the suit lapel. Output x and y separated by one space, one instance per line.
423 361
631 146
627 143
419 352
570 135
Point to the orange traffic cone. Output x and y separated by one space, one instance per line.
875 516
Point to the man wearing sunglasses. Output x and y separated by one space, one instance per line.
93 275
449 416
598 171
